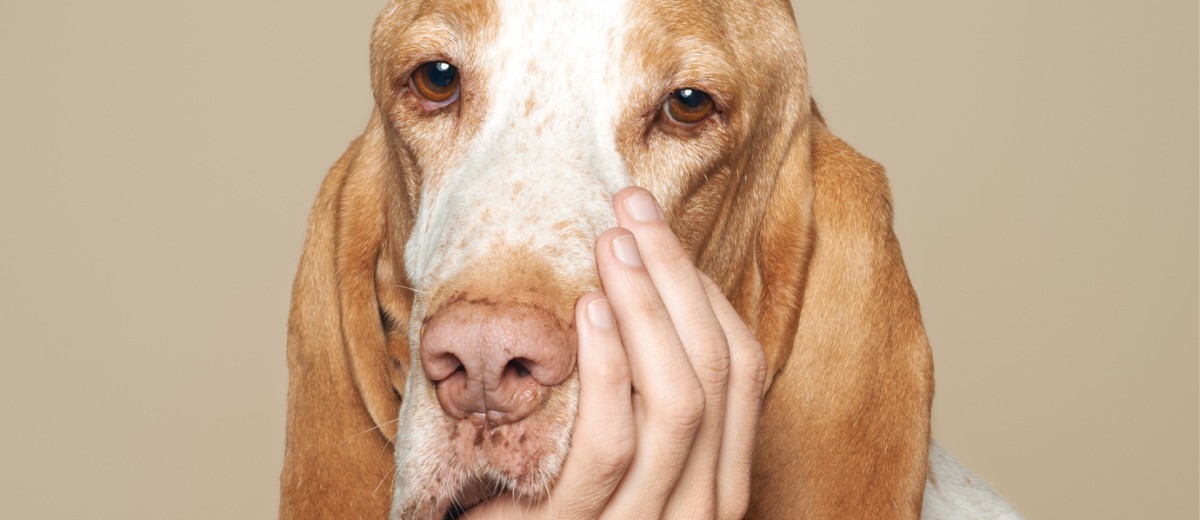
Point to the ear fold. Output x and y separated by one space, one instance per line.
845 424
341 402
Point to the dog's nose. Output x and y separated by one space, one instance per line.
495 359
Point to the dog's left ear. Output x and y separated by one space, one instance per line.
845 423
347 350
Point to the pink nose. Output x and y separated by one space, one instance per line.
495 360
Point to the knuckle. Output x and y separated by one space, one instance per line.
615 458
686 410
751 362
713 370
713 374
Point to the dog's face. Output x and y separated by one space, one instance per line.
512 123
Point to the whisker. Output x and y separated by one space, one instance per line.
528 505
391 442
413 289
376 427
392 474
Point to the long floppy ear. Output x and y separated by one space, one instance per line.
845 426
345 365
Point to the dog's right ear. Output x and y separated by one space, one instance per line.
347 346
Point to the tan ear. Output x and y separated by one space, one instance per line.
845 426
342 396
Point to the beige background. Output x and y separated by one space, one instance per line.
158 160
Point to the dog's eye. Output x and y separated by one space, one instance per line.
436 83
688 106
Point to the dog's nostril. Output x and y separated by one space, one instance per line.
438 368
518 367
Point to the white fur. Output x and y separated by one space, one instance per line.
953 493
567 168
528 170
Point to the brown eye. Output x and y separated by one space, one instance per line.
435 82
688 106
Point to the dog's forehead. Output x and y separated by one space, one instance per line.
553 58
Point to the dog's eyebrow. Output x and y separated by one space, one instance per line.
456 20
685 55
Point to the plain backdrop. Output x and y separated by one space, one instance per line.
158 160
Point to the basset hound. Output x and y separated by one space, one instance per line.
500 131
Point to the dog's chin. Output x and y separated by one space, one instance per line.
467 462
480 492
522 460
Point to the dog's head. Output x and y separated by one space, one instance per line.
508 126
456 234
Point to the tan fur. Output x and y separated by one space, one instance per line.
845 425
793 224
336 453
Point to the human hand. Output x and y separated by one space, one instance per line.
671 384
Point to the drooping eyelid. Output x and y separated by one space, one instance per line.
713 84
686 58
422 41
696 74
405 68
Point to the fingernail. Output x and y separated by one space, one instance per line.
626 249
642 207
600 314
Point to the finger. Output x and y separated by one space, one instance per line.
747 375
604 440
671 398
678 283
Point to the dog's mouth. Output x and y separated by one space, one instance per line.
479 490
471 496
458 464
476 493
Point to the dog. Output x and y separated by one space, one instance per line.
500 131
